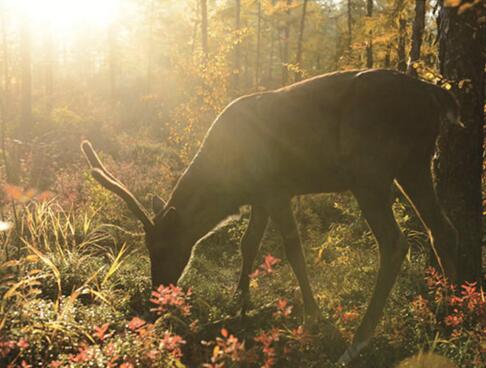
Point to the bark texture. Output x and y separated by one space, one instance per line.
417 35
460 151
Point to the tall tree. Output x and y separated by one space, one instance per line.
272 46
112 61
350 25
402 40
49 74
337 43
300 41
459 167
258 42
204 27
417 36
369 45
150 45
387 61
286 42
237 50
25 81
5 101
6 63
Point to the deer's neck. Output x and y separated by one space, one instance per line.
201 205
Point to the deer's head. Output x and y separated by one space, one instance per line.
163 237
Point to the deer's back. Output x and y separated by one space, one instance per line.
321 134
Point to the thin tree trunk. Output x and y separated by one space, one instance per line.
6 66
369 46
298 58
26 82
286 39
417 35
350 25
237 61
401 53
249 64
4 104
49 73
112 62
460 151
258 42
337 45
272 48
194 30
150 48
204 28
387 61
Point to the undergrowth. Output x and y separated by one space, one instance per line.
75 292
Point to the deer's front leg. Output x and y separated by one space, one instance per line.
393 246
281 214
249 247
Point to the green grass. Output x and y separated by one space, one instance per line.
64 274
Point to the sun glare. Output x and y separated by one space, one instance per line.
64 16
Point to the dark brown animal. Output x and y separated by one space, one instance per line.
357 130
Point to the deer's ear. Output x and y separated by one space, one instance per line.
158 204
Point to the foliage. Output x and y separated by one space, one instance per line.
55 311
75 291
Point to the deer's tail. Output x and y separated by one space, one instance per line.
447 105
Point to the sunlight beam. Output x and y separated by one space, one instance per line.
65 16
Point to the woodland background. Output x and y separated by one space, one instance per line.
144 86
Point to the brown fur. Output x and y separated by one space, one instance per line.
355 130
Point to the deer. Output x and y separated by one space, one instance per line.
363 131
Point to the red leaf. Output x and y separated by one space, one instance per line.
136 323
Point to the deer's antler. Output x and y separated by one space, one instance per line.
106 179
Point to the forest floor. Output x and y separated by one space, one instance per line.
76 293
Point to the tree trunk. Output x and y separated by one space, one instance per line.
402 37
285 53
247 77
25 82
350 25
272 48
337 44
5 102
150 48
369 46
204 28
237 61
49 75
460 151
417 35
112 62
387 61
298 58
6 66
258 42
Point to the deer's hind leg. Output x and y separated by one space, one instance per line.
377 210
416 183
249 248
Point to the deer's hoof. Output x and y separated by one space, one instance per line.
352 353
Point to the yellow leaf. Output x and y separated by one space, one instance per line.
31 258
447 86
